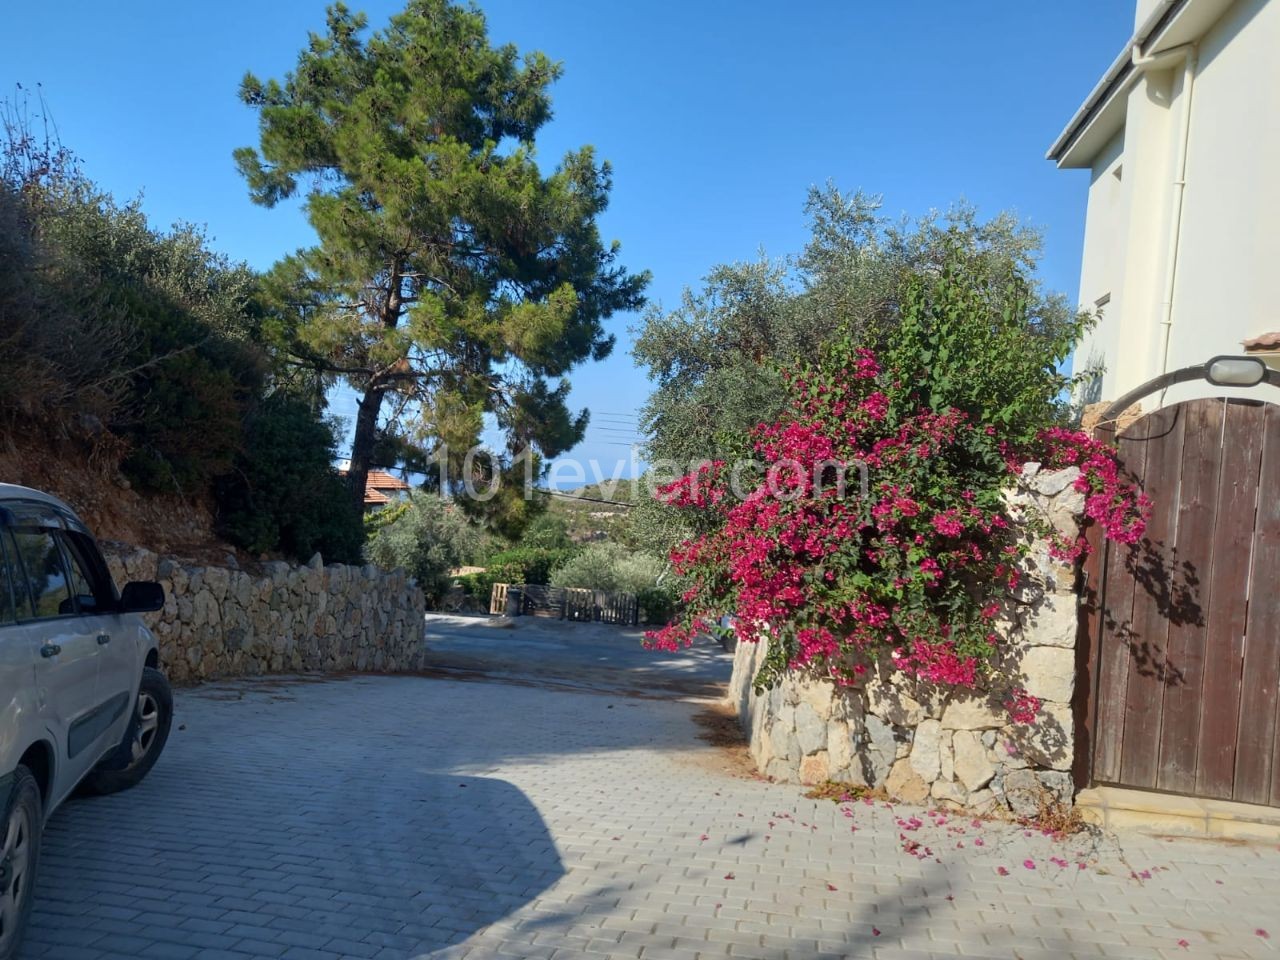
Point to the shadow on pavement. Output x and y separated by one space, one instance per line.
312 855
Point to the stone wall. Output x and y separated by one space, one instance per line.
280 618
922 744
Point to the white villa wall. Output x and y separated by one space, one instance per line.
1227 285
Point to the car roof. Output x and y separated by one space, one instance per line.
10 492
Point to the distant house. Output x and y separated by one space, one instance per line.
382 489
1182 234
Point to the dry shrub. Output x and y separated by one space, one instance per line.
1055 818
838 791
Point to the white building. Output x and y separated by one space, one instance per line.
1182 235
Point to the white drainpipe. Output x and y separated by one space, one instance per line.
1190 60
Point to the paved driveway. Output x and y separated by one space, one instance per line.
529 818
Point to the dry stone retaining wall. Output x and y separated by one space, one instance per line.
225 622
922 744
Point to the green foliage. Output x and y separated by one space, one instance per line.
375 521
155 349
450 275
714 362
548 531
476 585
284 495
58 363
972 336
526 564
609 566
658 603
589 519
432 537
118 330
716 359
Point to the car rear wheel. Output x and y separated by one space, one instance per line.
20 833
143 741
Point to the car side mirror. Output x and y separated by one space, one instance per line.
141 596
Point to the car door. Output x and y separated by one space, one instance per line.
63 648
17 674
119 656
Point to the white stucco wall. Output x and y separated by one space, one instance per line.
1228 279
1227 283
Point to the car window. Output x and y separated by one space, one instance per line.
90 581
45 573
8 610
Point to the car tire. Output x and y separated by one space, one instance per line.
143 741
20 833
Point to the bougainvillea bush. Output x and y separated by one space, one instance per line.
874 526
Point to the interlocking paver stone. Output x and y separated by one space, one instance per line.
420 817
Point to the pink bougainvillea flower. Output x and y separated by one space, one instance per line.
1058 862
1003 871
831 886
704 837
930 524
875 931
1262 933
1184 943
979 842
730 876
1029 864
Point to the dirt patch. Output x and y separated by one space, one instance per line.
718 726
94 487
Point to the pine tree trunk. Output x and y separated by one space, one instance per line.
362 444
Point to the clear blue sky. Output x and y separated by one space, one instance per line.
716 114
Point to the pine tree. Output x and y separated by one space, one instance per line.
450 275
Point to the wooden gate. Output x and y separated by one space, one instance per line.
1179 681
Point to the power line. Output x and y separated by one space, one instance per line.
573 496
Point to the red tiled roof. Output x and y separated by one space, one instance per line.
376 483
381 480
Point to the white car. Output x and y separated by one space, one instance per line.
82 699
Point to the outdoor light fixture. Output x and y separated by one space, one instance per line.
1235 371
1223 371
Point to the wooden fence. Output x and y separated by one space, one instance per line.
569 603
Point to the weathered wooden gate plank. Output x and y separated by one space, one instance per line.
1116 620
1224 636
1152 566
1257 773
1198 497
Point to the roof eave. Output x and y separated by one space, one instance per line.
1064 151
1097 120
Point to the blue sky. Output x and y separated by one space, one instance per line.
716 115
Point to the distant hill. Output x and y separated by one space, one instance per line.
588 517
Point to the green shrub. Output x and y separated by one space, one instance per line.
117 330
547 531
610 567
526 564
658 603
431 538
284 495
476 585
